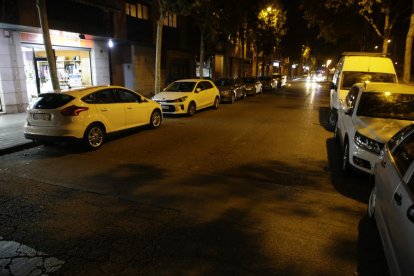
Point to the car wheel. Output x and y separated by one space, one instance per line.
191 110
156 119
232 98
216 103
94 137
345 159
333 118
371 203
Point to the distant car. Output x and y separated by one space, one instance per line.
268 83
230 89
88 114
187 96
252 85
281 80
371 115
392 201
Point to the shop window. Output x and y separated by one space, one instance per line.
170 20
137 10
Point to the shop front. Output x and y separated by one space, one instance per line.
81 61
73 63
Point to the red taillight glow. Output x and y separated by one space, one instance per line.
73 110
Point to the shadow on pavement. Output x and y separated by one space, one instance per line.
371 258
356 185
324 118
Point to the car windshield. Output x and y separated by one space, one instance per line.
350 78
387 105
224 82
181 86
51 100
249 80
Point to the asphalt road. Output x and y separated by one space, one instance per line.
253 188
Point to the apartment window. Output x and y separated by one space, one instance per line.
170 20
137 10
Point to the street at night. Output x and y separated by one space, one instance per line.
252 188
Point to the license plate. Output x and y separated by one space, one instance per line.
41 116
165 107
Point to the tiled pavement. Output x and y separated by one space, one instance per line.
11 133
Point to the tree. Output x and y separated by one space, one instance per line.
44 24
271 28
409 48
165 7
380 15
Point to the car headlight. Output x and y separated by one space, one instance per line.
368 143
180 100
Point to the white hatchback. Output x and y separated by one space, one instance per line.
392 201
187 96
89 114
371 114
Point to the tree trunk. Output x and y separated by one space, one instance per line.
242 53
257 62
41 8
201 65
409 48
158 47
386 32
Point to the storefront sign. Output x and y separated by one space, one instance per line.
72 41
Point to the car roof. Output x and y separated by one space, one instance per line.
79 92
386 87
194 80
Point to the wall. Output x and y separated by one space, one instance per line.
144 63
12 76
100 63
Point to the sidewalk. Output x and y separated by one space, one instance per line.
11 133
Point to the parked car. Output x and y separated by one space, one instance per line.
230 89
392 201
280 79
355 67
268 83
252 85
187 96
371 115
89 114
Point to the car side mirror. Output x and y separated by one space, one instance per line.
198 90
348 110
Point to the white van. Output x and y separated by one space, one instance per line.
355 67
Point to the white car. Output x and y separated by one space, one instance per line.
89 114
187 96
371 114
392 201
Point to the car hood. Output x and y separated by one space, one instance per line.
225 88
163 96
379 129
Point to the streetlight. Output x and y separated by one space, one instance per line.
376 47
269 9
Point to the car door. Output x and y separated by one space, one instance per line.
199 96
111 112
208 93
399 213
136 110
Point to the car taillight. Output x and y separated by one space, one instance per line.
73 110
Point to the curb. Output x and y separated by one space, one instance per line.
17 148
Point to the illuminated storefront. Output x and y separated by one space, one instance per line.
73 62
81 60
